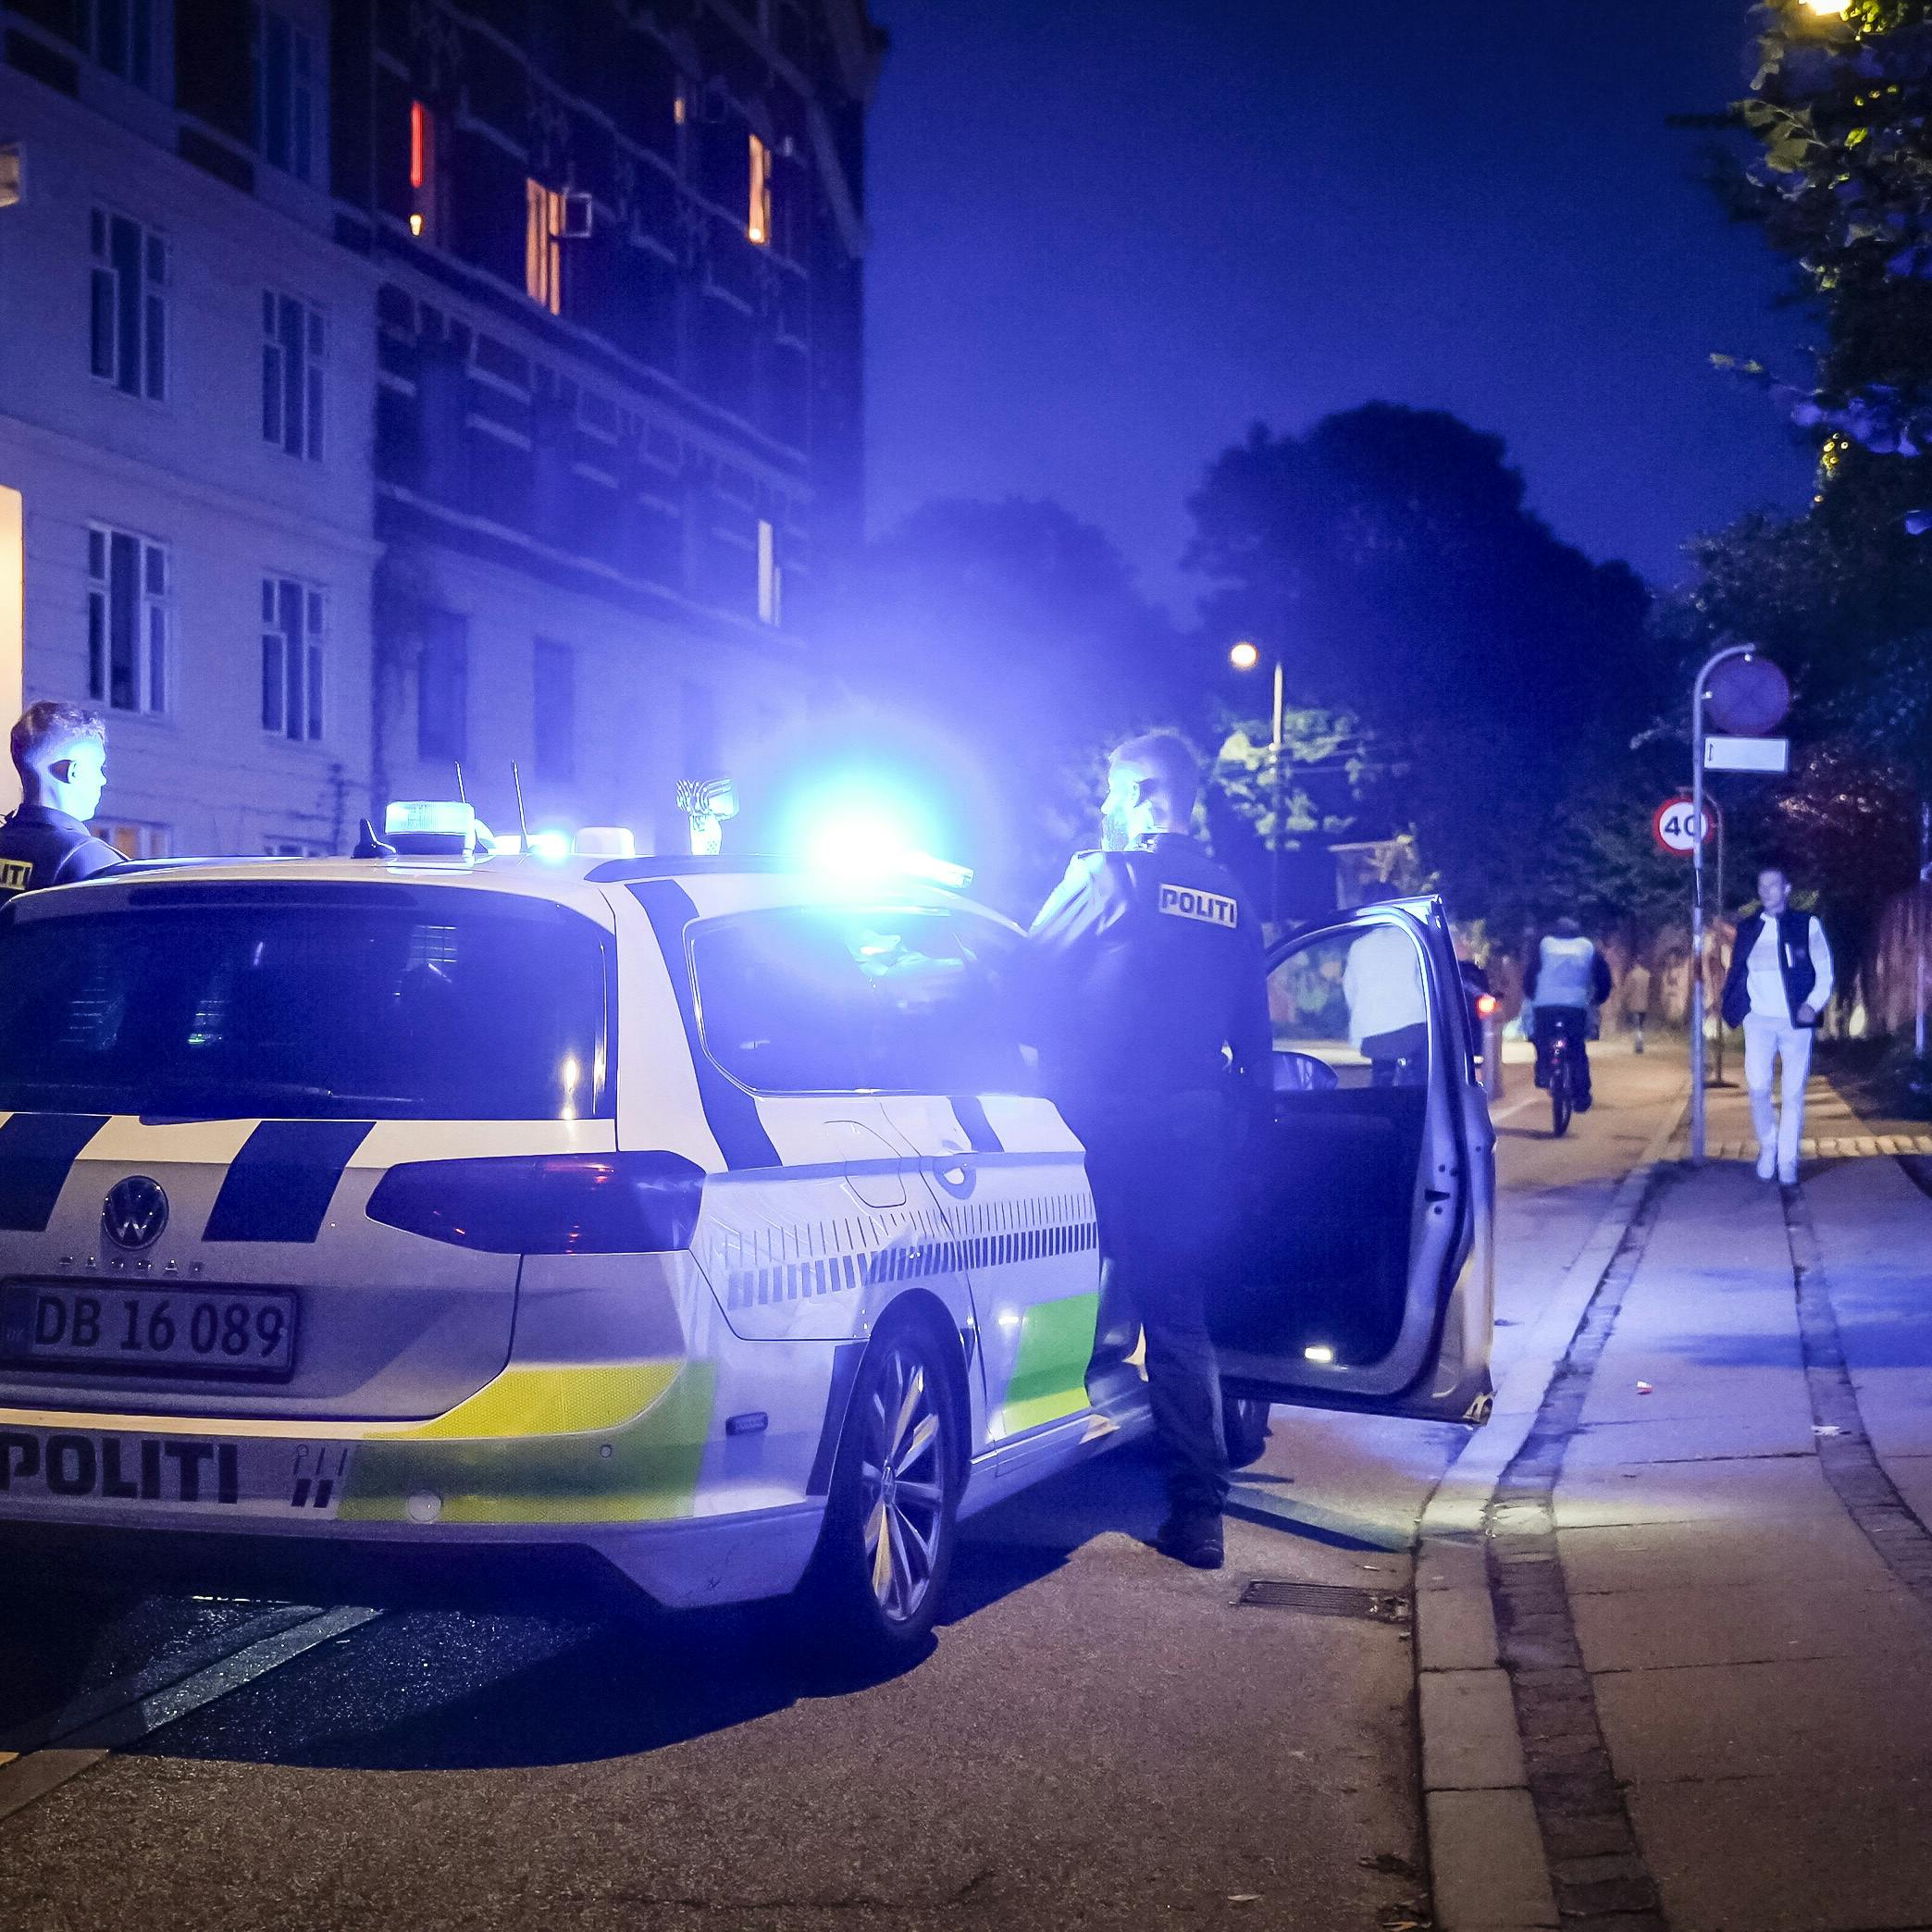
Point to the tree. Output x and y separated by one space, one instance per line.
1009 639
1389 552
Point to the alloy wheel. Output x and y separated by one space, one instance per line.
903 1477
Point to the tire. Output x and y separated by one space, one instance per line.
1560 1103
1244 1429
876 1579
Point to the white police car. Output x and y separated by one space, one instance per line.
694 1213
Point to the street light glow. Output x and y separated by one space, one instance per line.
1831 10
1244 656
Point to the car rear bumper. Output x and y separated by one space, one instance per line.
679 1565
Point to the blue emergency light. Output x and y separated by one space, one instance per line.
444 827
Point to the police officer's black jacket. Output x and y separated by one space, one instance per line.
1149 978
41 846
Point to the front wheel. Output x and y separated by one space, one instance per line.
873 1589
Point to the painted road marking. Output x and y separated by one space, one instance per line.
83 1744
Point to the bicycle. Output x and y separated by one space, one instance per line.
1562 1083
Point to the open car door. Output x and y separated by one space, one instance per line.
1363 1275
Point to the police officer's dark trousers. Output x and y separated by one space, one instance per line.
1160 1172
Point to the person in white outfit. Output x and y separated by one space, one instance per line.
1779 983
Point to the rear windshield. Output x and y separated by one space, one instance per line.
439 1005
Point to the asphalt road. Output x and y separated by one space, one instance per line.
1097 1739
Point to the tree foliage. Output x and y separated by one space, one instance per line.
1390 554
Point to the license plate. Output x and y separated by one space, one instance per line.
231 1333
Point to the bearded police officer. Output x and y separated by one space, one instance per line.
1154 1041
60 752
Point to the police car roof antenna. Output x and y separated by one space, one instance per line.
463 797
523 825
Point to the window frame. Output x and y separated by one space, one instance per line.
135 336
137 42
152 609
307 386
299 680
303 84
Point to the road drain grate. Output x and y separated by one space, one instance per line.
1325 1599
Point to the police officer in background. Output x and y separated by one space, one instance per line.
1154 1041
60 752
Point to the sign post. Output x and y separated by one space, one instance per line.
1751 701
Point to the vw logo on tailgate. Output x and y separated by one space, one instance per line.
135 1212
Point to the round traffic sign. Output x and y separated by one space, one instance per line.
1673 826
1748 696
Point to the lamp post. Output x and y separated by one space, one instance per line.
1244 657
1697 894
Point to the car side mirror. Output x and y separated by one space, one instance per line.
1303 1073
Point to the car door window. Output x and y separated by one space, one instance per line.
1354 1003
870 999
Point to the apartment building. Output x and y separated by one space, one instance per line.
390 386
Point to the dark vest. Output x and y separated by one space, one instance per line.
1794 963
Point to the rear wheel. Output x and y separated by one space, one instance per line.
1244 1429
876 1582
1561 1101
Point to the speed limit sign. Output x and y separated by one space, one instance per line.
1675 826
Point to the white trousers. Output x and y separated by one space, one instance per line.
1768 1038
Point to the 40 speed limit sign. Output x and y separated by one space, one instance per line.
1675 826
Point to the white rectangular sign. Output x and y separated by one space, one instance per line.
1747 754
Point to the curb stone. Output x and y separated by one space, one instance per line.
1486 1858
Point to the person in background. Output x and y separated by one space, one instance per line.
60 752
1388 1006
1636 999
1780 980
1567 978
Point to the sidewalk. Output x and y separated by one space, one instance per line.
1702 1696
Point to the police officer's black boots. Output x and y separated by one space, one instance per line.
1192 1538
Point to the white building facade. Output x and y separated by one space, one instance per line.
186 370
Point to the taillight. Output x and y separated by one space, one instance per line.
546 1204
1486 1004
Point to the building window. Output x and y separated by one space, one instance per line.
292 375
293 632
285 94
757 218
442 686
426 184
121 35
133 839
129 307
543 254
770 578
555 709
128 586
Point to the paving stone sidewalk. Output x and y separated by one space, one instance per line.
1760 1674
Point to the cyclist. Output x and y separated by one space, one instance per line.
1567 977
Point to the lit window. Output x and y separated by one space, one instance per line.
127 589
758 219
293 626
134 839
425 179
129 322
285 94
292 375
770 578
121 35
543 254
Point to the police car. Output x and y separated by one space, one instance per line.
694 1215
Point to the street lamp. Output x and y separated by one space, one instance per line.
1831 10
1244 656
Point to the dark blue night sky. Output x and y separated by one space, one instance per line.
1110 234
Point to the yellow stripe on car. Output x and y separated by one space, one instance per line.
1049 1370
